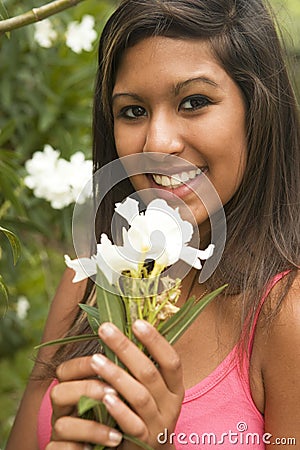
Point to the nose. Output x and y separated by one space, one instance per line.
163 135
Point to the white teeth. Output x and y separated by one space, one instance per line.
177 179
165 181
185 176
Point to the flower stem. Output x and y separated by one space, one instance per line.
126 301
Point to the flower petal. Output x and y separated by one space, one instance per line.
207 253
112 260
84 267
168 213
128 209
192 256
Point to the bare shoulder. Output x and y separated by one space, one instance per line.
286 324
280 366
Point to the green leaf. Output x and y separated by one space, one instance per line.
10 181
3 11
92 409
68 340
165 327
102 415
85 404
3 291
91 311
14 243
111 309
7 131
93 316
173 334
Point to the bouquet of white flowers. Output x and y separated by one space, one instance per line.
131 283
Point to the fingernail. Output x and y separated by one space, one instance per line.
115 437
109 400
109 390
98 361
106 329
87 447
140 325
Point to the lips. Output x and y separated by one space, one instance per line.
177 179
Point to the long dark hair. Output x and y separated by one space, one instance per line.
263 216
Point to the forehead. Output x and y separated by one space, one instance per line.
161 59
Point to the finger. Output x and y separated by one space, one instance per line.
129 422
163 353
139 364
131 389
54 445
64 396
81 430
75 369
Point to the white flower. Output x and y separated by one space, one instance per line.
44 33
79 176
113 259
110 258
23 306
57 180
80 36
83 267
159 234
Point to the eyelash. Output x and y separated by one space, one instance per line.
204 101
125 110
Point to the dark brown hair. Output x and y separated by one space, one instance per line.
263 216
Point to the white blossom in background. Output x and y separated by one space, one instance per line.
81 35
44 33
23 306
57 180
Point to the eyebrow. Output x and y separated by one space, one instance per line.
127 94
185 83
177 88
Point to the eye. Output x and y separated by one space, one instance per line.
132 112
194 102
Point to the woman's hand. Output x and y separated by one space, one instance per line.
77 378
153 393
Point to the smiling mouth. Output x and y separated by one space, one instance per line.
177 179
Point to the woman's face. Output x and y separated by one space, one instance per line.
172 97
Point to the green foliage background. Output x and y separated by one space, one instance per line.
46 98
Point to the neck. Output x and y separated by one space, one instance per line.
190 286
205 234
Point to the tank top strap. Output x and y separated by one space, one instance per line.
269 287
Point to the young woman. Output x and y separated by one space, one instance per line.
204 80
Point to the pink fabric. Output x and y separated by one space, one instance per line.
44 419
217 412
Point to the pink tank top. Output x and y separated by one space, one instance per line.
217 412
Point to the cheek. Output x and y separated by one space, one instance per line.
128 140
118 142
